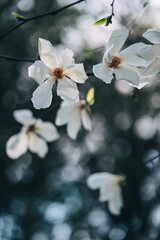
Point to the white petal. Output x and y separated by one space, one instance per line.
65 113
74 125
39 72
47 53
107 56
153 68
117 38
66 59
153 35
42 96
77 73
46 130
24 116
128 73
143 81
129 56
17 145
106 192
37 145
149 52
67 90
86 120
98 180
103 72
116 203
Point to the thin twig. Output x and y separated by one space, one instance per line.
51 13
16 59
148 161
109 18
139 166
9 58
112 5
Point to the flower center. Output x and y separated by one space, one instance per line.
58 73
31 128
121 181
82 105
115 62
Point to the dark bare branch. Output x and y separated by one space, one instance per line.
51 13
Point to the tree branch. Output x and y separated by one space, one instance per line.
112 5
9 58
51 13
16 59
139 166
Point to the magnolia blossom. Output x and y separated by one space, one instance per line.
124 64
73 114
151 53
110 189
51 70
33 135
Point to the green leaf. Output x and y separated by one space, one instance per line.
106 20
100 22
89 53
90 96
134 96
18 17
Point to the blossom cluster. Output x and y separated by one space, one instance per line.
135 64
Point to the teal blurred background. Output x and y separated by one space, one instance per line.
43 199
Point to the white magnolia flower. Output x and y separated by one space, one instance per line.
124 64
151 53
75 113
33 135
110 189
51 70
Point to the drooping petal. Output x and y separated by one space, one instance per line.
143 81
46 130
110 189
103 72
74 125
153 68
37 145
66 59
86 120
116 203
153 35
65 113
129 56
117 38
77 73
149 52
128 73
24 116
97 180
67 89
17 145
106 192
47 53
39 72
42 96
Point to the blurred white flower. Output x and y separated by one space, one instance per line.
33 135
151 53
62 71
110 189
125 64
75 113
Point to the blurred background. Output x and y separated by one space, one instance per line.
43 199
